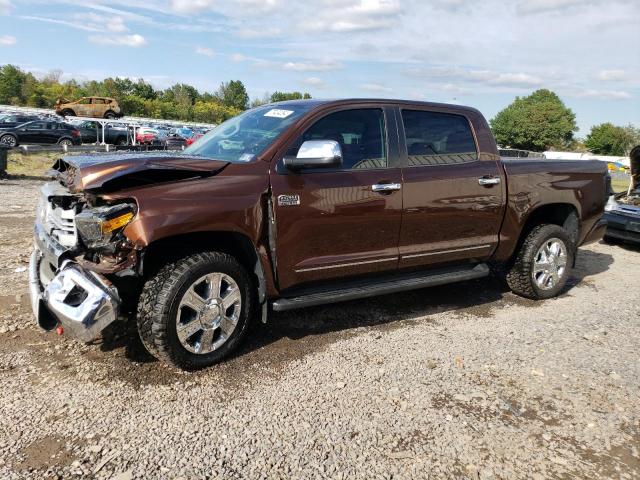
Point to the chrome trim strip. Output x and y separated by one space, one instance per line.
445 251
341 265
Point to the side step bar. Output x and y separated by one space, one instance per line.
382 287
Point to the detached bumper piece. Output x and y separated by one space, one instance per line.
83 302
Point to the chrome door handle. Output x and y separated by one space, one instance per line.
488 181
385 187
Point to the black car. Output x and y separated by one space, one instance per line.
10 120
40 132
173 141
91 132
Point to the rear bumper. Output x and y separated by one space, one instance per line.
623 227
83 302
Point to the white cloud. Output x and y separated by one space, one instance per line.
101 22
375 87
353 15
612 75
248 7
603 94
119 40
238 58
256 32
207 52
455 89
7 40
319 66
5 7
314 82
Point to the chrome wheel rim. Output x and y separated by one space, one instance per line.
208 313
550 264
8 140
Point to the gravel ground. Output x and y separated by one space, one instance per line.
465 381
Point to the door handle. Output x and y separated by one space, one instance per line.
488 181
385 187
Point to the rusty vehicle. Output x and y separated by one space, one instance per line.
92 107
297 204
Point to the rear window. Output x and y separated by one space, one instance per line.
435 138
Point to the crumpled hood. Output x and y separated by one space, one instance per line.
124 170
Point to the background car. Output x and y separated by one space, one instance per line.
10 120
41 132
95 107
193 138
146 135
91 132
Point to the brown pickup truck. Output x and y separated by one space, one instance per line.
296 204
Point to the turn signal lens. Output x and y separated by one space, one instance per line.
109 226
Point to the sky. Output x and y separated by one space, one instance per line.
481 53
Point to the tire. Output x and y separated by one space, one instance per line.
532 273
121 141
65 141
9 140
110 115
68 113
162 308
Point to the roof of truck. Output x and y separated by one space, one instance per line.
314 102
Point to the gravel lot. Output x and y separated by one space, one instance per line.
465 381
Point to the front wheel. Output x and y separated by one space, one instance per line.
543 263
195 310
65 142
110 115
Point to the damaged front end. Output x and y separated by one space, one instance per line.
80 253
622 211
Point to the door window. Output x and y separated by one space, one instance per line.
98 101
360 133
37 126
435 138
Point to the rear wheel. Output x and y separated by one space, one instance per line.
9 140
543 263
121 141
68 113
195 310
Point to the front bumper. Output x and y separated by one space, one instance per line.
623 227
83 302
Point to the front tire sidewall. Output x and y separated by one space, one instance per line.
164 326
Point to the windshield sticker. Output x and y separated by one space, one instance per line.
278 113
246 157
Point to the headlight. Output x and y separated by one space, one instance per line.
98 226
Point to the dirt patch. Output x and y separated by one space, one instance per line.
44 453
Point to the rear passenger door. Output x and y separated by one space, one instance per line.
34 132
452 198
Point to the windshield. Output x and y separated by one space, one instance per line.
243 138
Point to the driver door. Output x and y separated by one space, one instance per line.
340 221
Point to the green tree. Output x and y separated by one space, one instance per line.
537 122
12 81
233 94
609 139
282 96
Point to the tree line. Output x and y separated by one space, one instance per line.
136 97
541 121
538 122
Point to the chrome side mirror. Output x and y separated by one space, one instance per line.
315 154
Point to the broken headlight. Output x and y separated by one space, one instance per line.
98 227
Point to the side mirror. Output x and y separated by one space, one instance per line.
315 154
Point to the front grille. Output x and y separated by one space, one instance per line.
58 222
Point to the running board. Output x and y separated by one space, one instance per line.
382 287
